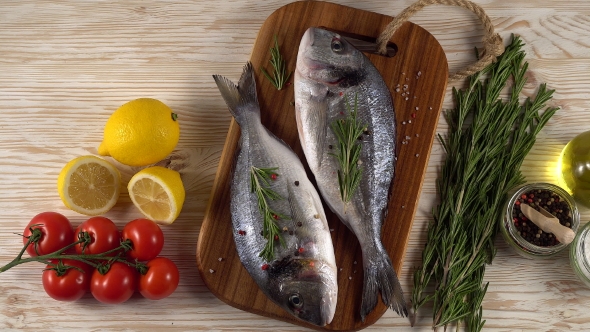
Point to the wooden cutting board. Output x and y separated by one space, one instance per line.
417 78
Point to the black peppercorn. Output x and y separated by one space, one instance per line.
549 201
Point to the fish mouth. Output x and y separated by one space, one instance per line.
313 65
327 310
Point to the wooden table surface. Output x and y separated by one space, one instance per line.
65 66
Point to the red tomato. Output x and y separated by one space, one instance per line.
68 287
56 232
147 239
115 286
104 234
160 280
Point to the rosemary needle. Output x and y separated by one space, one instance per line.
487 142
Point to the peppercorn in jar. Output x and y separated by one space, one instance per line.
528 239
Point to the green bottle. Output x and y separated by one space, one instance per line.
574 168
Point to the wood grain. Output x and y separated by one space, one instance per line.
65 66
416 77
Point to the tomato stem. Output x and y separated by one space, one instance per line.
83 238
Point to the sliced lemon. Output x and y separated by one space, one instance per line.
158 193
89 185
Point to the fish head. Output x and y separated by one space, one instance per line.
327 58
305 288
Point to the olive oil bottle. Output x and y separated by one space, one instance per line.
574 168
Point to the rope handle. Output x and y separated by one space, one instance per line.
493 44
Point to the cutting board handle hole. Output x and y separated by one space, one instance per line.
365 44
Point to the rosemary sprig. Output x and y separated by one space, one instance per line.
487 142
280 76
347 131
260 185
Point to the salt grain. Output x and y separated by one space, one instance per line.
409 121
417 108
211 271
417 155
220 259
349 278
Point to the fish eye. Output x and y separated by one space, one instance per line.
296 301
337 46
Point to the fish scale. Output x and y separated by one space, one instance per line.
329 72
301 277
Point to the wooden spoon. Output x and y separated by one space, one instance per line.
548 223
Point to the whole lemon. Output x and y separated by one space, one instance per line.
141 132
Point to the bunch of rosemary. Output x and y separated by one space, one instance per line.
260 185
280 75
347 131
487 141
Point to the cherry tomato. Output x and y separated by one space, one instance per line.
70 286
147 239
56 232
104 234
160 280
115 286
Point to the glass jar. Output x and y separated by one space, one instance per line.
580 254
573 168
511 234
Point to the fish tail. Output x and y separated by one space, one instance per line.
380 276
241 98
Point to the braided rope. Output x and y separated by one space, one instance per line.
493 44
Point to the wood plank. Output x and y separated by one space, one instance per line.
416 77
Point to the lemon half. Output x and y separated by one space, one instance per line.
158 193
89 185
140 132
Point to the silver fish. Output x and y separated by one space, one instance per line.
302 276
330 75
